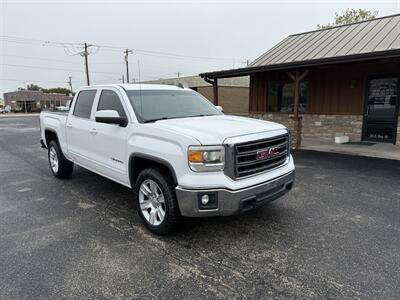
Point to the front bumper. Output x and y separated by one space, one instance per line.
227 202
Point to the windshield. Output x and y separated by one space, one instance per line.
153 105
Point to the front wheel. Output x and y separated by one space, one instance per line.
156 201
59 165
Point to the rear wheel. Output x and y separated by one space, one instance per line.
59 165
156 201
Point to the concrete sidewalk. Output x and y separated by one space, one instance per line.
380 150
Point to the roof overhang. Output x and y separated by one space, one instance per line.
304 64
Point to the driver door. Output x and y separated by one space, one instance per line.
108 142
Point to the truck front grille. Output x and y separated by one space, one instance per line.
255 157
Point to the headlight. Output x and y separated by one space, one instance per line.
206 158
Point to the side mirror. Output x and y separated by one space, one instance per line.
110 117
220 108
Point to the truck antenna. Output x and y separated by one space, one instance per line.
140 90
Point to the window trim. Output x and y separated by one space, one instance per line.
119 98
76 99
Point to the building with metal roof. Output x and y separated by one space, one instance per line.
233 92
339 81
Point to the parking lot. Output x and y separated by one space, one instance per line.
337 234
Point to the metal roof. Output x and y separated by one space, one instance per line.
380 34
197 81
366 39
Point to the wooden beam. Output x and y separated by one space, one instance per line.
297 78
291 76
302 76
215 89
296 96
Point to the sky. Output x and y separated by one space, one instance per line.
40 41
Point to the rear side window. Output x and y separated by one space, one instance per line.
109 100
84 103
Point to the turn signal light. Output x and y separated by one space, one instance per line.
195 156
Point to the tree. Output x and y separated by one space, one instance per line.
30 87
351 16
57 90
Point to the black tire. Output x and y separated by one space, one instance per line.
65 167
166 184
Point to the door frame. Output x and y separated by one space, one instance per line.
366 96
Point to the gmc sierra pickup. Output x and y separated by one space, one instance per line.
177 151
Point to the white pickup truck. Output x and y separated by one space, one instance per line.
177 151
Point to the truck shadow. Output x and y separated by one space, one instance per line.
115 202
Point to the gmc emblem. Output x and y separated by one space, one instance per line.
267 153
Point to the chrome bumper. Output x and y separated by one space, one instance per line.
227 202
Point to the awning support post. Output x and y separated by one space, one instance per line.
214 83
215 89
297 78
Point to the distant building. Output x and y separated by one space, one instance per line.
34 101
1 102
233 93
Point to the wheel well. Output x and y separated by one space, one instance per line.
138 163
50 136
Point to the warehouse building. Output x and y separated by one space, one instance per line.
233 93
323 84
34 101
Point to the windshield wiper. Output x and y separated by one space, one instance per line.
168 118
198 116
154 120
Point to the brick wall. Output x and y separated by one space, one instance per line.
319 127
283 119
234 100
326 127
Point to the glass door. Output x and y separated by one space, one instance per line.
381 110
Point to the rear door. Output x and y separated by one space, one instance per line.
79 123
108 142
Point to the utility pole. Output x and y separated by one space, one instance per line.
85 53
70 84
127 51
178 74
123 78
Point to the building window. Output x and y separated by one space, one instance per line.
280 97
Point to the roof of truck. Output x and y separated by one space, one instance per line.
140 86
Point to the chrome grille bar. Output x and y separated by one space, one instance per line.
248 161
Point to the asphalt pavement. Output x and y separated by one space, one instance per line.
335 235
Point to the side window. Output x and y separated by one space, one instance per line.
84 103
109 100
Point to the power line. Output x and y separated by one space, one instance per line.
29 80
112 48
42 59
59 60
59 69
55 81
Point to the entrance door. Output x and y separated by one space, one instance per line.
381 110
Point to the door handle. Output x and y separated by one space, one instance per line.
93 131
69 125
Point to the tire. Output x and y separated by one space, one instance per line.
59 165
149 205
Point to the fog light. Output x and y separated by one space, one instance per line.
205 199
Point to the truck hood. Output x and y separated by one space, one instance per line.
213 130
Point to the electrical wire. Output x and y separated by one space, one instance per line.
59 69
113 48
